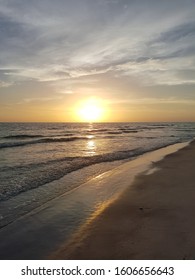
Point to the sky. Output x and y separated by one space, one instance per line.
134 58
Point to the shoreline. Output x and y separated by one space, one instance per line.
51 223
152 219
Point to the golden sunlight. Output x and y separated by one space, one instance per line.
90 111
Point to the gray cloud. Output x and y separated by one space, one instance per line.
151 42
181 32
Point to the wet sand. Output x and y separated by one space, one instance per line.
154 218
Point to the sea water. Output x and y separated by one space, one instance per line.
41 161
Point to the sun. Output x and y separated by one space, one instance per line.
90 111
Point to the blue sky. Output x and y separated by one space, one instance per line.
136 56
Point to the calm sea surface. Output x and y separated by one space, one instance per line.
34 157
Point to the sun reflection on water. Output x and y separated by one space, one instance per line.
91 147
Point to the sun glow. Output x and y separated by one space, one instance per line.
90 111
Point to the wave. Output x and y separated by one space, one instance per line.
152 127
27 136
22 136
185 129
108 131
129 131
121 131
114 132
41 174
38 175
97 130
68 137
40 141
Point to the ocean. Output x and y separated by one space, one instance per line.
41 161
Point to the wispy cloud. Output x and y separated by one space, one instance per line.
40 99
4 84
66 43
